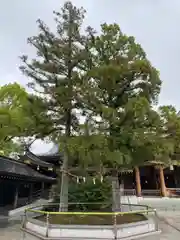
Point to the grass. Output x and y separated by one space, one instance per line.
92 219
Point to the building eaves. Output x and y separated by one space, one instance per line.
35 159
13 167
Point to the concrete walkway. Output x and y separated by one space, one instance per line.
162 204
13 232
168 211
168 233
10 229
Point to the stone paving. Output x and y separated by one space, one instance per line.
10 232
13 232
162 204
169 213
168 209
168 233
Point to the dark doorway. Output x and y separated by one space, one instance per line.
169 180
7 192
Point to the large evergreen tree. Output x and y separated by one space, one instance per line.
108 79
55 76
121 87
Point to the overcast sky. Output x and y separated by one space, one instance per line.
154 23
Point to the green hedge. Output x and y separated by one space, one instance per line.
91 194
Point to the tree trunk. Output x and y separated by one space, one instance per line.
63 206
68 110
115 194
162 182
121 193
138 181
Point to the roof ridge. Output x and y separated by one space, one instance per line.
27 170
12 160
36 158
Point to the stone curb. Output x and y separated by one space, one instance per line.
141 236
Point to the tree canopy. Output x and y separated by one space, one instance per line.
18 121
55 74
14 123
170 127
120 88
105 78
94 94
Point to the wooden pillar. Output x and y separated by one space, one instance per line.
16 196
162 182
138 181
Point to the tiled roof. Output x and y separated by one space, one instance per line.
10 166
37 160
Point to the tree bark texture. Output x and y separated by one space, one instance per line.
116 201
138 181
63 206
162 182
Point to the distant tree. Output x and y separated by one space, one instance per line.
166 149
170 126
11 149
13 122
17 123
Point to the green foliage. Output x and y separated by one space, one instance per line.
13 121
106 78
54 73
11 147
35 109
121 86
170 131
89 196
18 119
